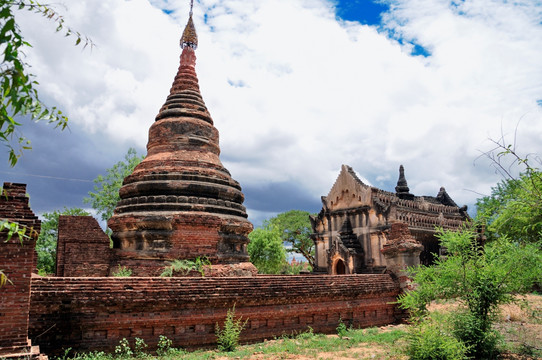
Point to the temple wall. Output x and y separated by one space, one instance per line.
82 247
96 313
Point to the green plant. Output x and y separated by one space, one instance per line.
342 330
139 348
123 349
19 96
228 337
13 228
294 228
184 267
309 334
481 278
164 345
430 340
106 187
122 271
65 355
266 250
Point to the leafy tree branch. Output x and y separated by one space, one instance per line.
18 87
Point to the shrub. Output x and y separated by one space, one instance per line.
309 334
342 330
184 267
123 350
122 271
482 278
164 345
477 334
228 337
429 340
139 348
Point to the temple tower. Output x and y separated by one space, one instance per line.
180 202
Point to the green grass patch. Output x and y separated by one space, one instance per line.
305 343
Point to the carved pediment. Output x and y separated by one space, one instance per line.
348 191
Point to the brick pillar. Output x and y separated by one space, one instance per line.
17 263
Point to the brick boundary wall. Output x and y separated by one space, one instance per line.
96 313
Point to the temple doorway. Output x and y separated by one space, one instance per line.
340 268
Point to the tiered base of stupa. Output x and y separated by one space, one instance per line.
148 244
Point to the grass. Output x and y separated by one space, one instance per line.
521 327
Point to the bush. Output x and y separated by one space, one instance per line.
342 330
164 346
184 267
266 250
123 349
429 340
139 348
228 337
478 335
481 278
122 271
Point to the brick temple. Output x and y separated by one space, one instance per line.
355 221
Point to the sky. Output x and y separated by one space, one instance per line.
296 88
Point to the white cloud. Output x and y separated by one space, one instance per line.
295 92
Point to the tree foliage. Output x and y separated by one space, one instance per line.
266 250
47 240
295 229
514 208
481 278
19 94
106 188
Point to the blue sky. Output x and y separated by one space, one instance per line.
296 88
363 11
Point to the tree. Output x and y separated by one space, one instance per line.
266 250
295 229
106 191
514 208
481 277
46 243
19 95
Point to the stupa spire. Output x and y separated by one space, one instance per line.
190 37
402 190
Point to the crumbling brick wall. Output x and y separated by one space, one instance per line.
17 263
96 313
82 247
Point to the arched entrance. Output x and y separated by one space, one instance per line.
340 268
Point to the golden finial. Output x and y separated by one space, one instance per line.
190 38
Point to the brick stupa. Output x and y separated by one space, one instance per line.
180 202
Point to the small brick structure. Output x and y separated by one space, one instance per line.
17 261
401 251
82 247
96 313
